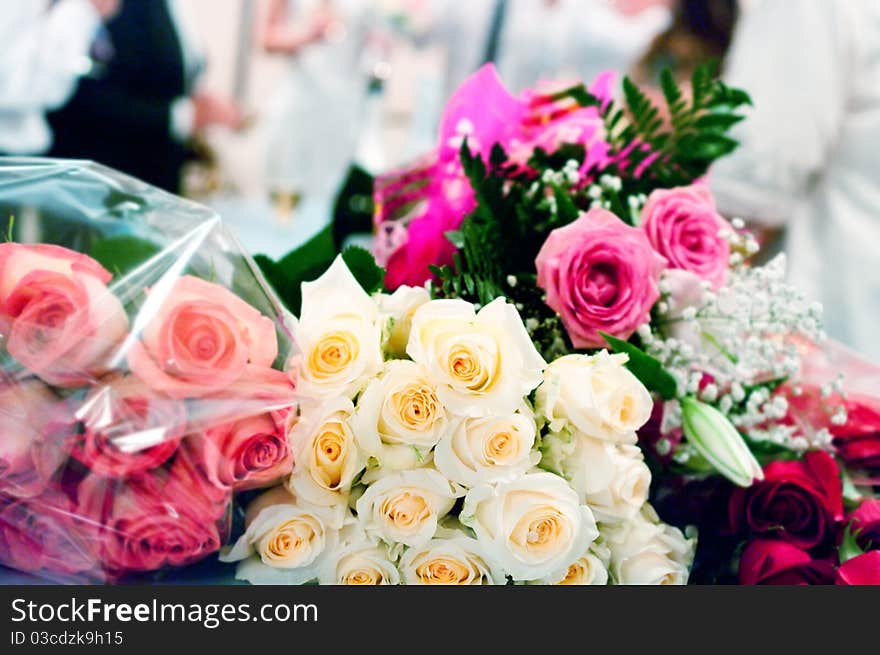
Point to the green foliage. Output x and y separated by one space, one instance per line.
363 266
122 254
648 370
682 146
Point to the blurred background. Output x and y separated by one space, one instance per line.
258 108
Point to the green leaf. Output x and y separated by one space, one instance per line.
455 237
648 370
849 547
122 254
302 264
364 268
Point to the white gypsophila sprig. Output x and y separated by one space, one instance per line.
744 335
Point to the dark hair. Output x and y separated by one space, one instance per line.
700 30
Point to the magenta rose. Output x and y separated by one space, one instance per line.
45 535
600 275
162 518
242 440
863 569
200 340
772 562
799 501
425 245
60 320
121 428
27 459
683 226
866 523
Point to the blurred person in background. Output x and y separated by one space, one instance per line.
809 151
140 109
44 48
312 121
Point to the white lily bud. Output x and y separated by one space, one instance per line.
718 441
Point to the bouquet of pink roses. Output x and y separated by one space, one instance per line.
142 379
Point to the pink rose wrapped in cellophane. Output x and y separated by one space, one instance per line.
416 206
600 275
142 377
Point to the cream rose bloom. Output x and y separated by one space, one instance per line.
326 457
397 311
404 507
284 542
483 362
645 551
590 569
530 527
399 416
594 394
485 450
611 478
338 334
451 559
359 560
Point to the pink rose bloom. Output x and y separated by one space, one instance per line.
44 535
60 319
600 275
121 428
426 244
683 226
200 340
27 459
159 519
244 444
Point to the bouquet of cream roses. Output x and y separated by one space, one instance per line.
436 446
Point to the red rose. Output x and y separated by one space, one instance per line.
860 570
44 535
122 428
242 441
866 523
798 501
772 562
161 518
858 440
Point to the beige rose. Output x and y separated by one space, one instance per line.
397 309
359 560
399 416
454 559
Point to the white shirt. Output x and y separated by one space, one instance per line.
810 153
43 50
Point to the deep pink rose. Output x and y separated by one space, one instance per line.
426 245
45 535
59 318
863 569
200 340
243 443
600 275
772 562
27 459
684 227
866 523
162 518
120 428
797 501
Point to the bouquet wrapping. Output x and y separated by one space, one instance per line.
142 381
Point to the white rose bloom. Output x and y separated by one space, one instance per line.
594 394
645 551
284 542
359 560
397 310
485 450
405 507
483 362
326 457
399 416
530 527
611 478
591 568
451 559
338 336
